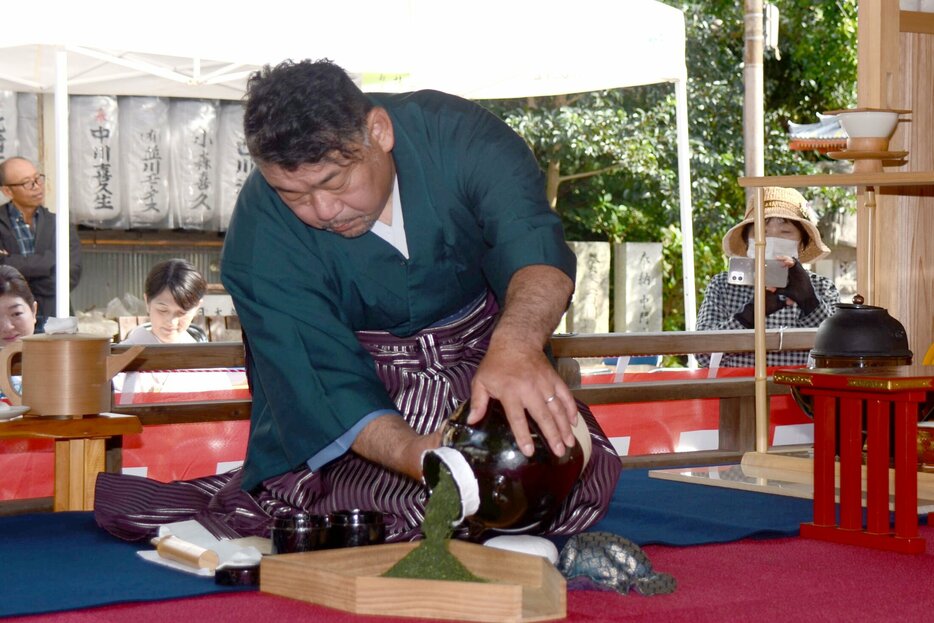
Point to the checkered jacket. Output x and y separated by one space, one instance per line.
723 300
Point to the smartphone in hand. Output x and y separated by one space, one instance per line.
742 272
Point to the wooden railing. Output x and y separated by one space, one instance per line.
736 395
676 342
178 357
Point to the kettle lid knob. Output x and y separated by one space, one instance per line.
858 299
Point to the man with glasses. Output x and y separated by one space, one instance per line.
27 234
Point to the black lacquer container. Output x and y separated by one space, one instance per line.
517 494
295 530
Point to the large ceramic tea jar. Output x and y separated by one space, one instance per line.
501 489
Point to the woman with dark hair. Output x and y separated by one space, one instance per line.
174 291
18 306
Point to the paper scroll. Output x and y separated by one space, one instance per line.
144 145
9 139
234 162
193 180
95 198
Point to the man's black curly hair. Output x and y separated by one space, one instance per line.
303 112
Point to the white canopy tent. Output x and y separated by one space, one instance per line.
484 49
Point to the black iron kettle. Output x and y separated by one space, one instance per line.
860 336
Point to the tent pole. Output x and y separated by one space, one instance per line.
684 195
753 95
62 255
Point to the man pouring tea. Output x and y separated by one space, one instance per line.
392 257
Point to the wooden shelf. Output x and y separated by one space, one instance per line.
91 426
916 21
909 178
150 240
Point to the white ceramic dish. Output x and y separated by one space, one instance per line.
12 412
869 123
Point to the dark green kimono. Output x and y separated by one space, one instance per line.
474 206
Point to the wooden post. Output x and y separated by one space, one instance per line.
896 70
77 463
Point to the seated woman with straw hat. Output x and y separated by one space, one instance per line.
792 238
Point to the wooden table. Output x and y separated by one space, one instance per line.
884 395
79 450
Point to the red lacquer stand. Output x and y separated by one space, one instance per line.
883 394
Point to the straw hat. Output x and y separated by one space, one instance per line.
785 203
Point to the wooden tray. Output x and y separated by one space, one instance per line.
867 155
523 587
901 111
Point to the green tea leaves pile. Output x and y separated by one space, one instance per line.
431 560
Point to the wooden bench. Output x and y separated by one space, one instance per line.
180 357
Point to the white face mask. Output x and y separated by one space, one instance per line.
773 247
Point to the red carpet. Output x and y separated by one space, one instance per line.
787 579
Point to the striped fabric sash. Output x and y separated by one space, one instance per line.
427 376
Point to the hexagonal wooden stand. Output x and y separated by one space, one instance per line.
522 587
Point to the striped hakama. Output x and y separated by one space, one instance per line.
427 375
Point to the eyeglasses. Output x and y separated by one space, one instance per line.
32 184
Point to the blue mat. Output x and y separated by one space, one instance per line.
664 512
62 561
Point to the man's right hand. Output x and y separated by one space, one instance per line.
515 369
389 441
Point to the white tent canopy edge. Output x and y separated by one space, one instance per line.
484 50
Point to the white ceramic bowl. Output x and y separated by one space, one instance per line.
869 123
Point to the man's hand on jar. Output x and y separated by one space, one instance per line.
523 380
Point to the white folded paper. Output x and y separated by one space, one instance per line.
526 544
69 324
229 552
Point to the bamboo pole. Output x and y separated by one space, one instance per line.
753 142
762 396
870 206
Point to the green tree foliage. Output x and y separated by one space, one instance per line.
629 135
